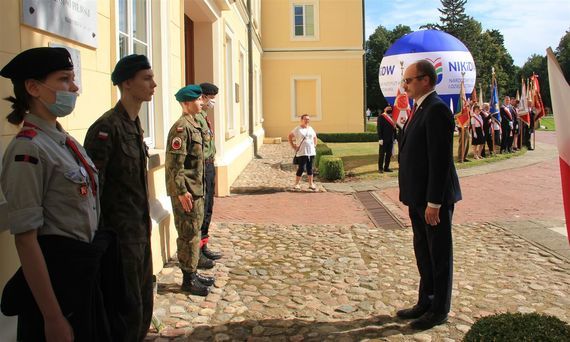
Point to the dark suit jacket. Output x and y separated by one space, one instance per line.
385 129
427 172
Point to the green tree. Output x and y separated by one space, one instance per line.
453 18
563 54
376 46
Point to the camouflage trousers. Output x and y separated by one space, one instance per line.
188 227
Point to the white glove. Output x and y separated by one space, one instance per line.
474 135
381 141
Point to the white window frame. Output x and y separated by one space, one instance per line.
317 78
243 90
229 90
315 4
130 40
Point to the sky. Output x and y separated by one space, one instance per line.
528 26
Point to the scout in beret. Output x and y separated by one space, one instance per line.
44 165
209 93
184 169
116 144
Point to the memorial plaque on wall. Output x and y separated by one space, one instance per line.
72 19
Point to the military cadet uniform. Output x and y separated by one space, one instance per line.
116 145
184 171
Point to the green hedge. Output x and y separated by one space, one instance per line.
518 327
322 150
348 137
331 168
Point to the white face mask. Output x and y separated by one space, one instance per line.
211 103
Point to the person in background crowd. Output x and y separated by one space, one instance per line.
487 118
516 124
184 171
52 191
478 140
386 129
529 129
209 92
116 144
506 126
303 140
429 187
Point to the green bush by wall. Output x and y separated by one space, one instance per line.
322 150
518 327
331 168
348 137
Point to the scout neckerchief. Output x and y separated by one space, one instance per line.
71 144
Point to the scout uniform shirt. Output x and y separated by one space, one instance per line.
116 145
185 158
46 184
207 135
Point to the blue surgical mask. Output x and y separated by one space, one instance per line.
64 102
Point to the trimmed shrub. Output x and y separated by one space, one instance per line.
371 127
348 137
331 168
518 327
322 150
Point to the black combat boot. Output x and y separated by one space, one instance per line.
205 280
204 263
191 283
211 254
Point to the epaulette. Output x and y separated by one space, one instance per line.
27 133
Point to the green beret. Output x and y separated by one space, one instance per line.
209 89
37 63
189 93
128 66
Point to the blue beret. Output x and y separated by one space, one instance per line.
128 66
37 63
189 93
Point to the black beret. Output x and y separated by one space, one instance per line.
37 63
128 66
209 89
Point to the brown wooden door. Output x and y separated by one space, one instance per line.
189 48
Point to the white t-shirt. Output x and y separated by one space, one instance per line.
307 148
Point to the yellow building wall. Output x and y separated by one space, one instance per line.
341 94
339 22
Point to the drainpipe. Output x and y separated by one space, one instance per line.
250 78
364 66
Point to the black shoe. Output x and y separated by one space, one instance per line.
211 254
380 171
205 280
414 312
428 320
190 283
388 170
204 263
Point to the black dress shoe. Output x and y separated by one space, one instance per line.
211 254
204 263
205 280
388 170
428 320
413 312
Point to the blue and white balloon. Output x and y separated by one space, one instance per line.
448 54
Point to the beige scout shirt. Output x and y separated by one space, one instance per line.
184 163
46 186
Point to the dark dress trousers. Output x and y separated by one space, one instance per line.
386 133
427 174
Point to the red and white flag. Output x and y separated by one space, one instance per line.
401 109
559 90
524 111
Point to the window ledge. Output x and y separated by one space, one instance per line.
156 158
230 133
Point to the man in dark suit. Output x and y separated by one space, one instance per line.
429 187
386 129
506 126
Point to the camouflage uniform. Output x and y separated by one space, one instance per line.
185 173
209 171
115 143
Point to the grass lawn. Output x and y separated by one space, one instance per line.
548 123
361 160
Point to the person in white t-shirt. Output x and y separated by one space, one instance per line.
303 140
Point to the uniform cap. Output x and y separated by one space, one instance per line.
189 93
209 89
128 66
37 63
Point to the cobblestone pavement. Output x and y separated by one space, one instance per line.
312 267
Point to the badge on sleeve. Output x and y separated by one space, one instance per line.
103 135
179 129
176 143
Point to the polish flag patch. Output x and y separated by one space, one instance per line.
179 129
103 135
